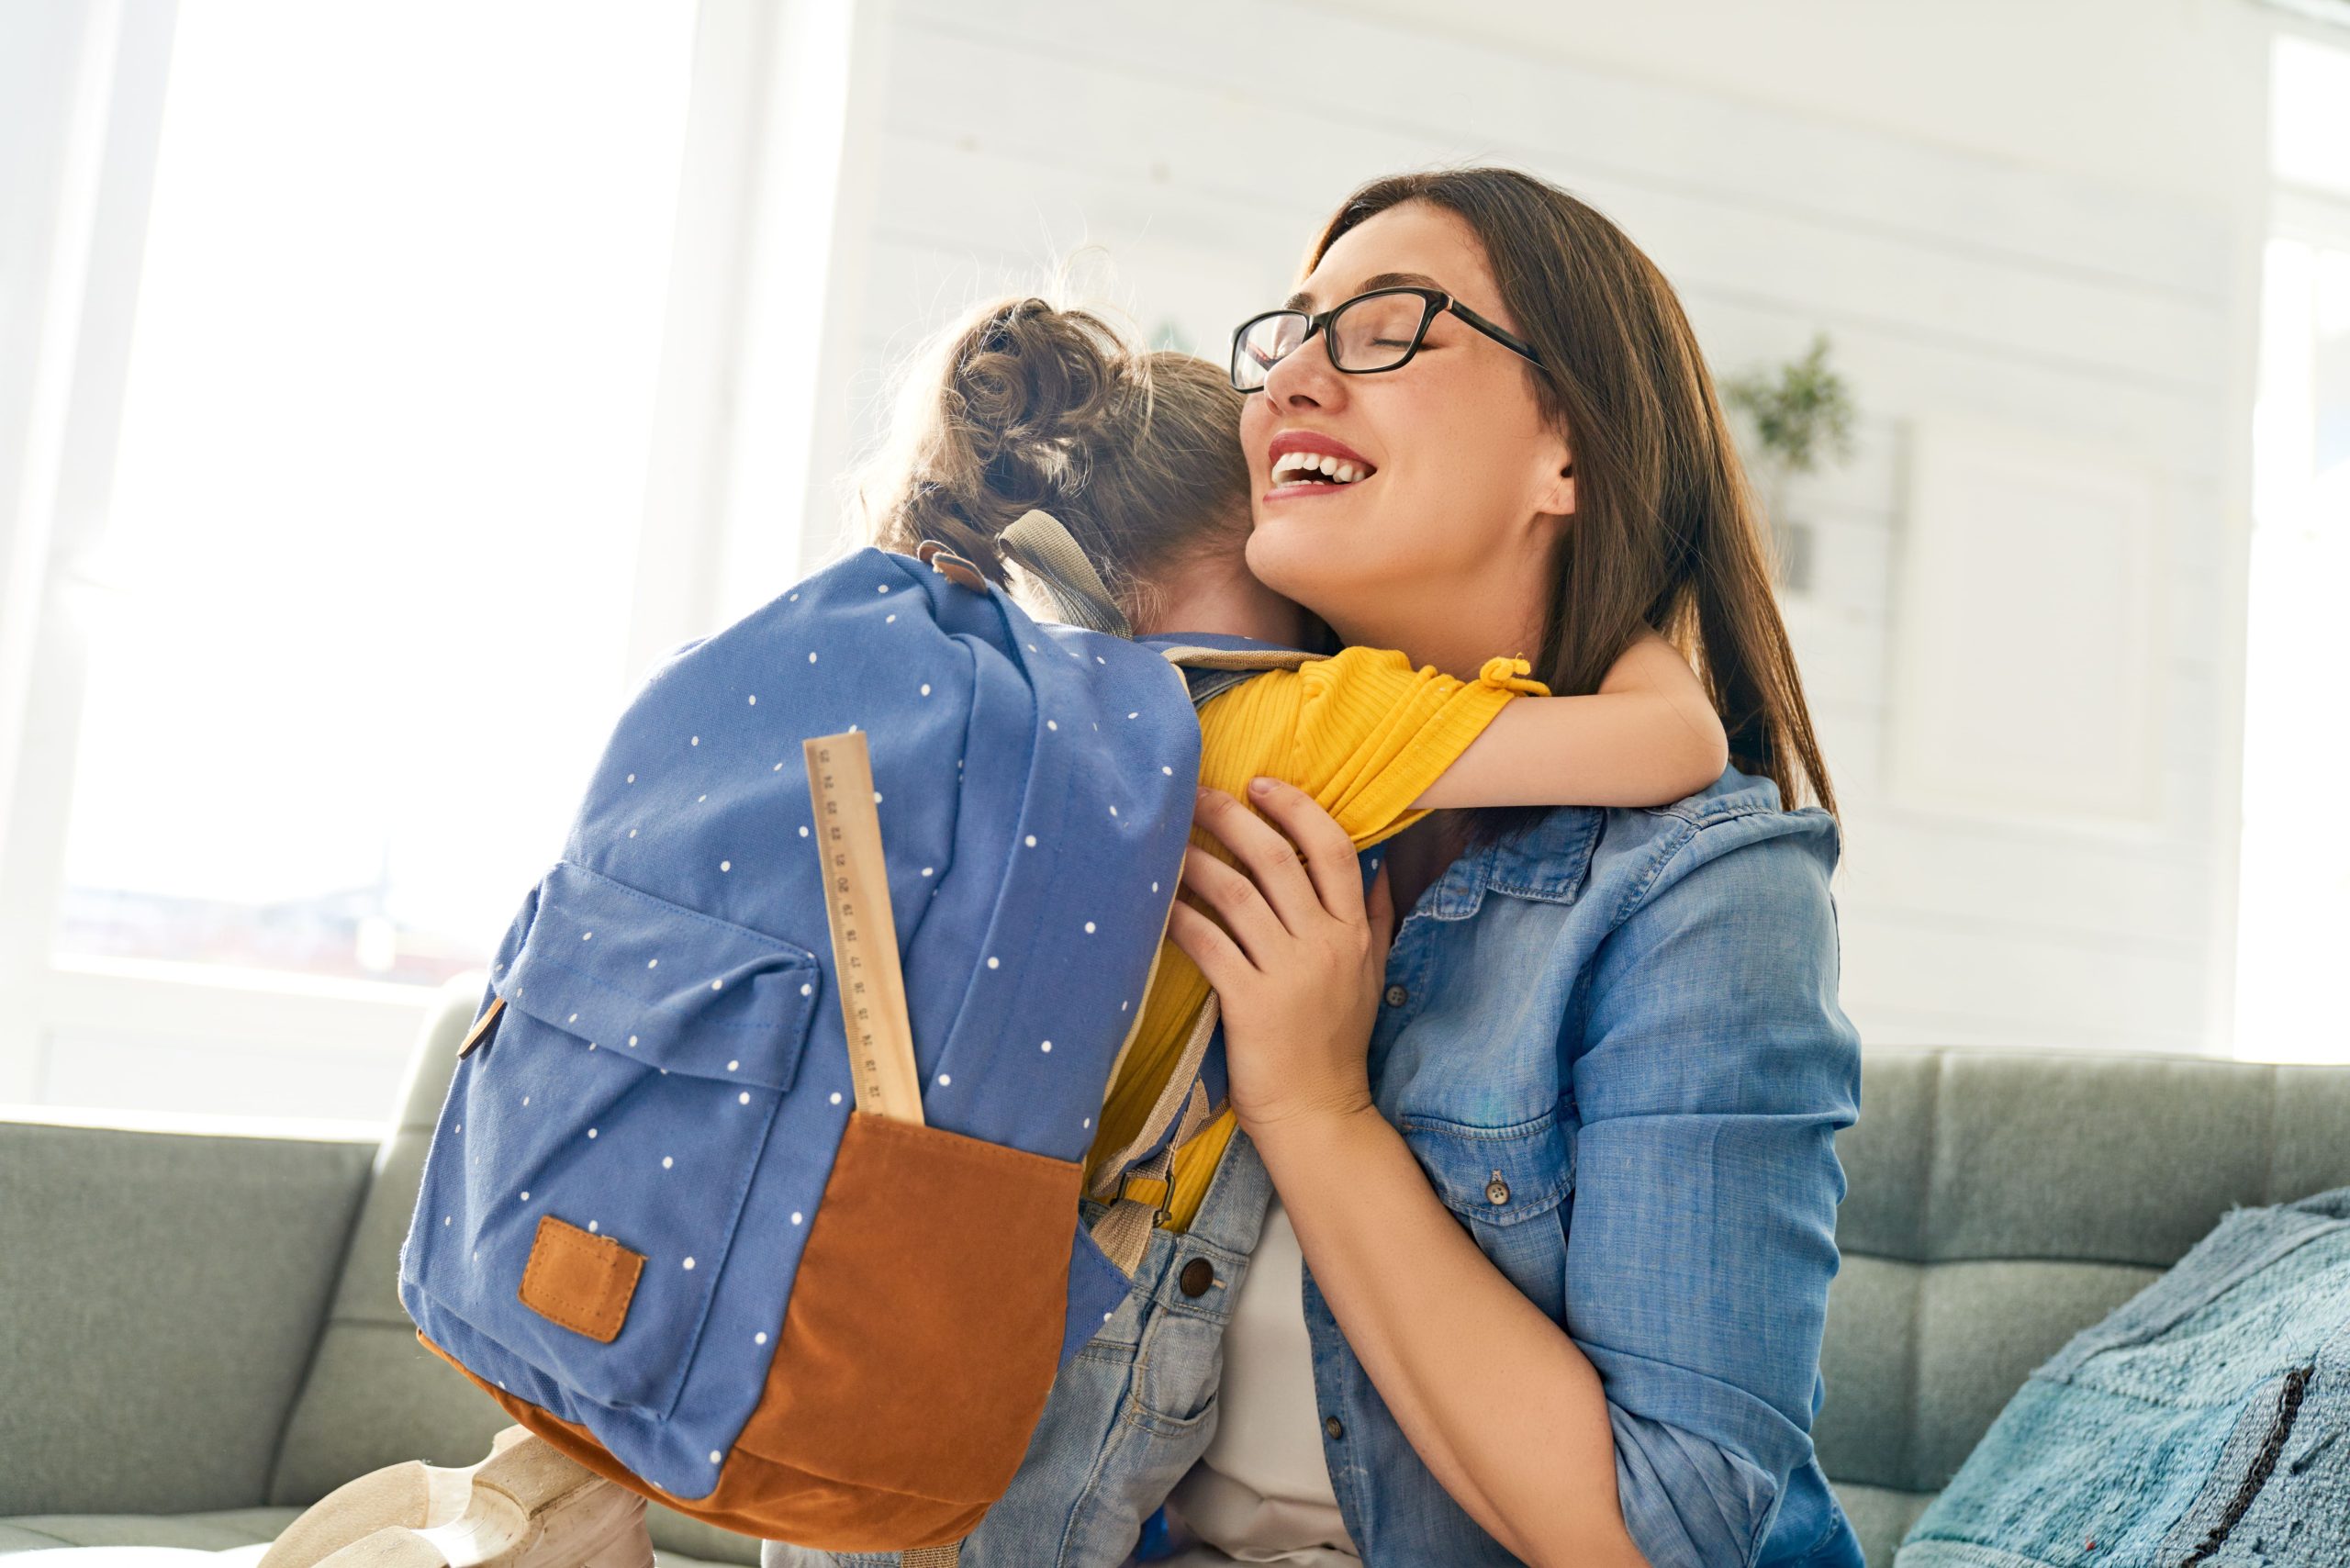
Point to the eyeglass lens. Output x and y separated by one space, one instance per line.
1373 332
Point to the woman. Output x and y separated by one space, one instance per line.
1657 985
1558 1151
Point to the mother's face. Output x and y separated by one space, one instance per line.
1466 488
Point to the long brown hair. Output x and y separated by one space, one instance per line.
1025 404
1666 528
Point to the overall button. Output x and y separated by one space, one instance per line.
1197 1275
1332 1426
1397 996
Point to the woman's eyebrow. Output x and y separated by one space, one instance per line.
1304 298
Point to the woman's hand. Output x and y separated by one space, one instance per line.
1298 958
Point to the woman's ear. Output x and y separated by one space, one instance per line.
1554 478
1555 492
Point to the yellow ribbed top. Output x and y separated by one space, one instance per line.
1365 735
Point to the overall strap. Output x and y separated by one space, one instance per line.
1123 1231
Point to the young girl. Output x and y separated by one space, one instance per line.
1137 454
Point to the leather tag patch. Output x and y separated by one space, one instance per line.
581 1280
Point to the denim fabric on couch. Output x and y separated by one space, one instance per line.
200 1336
2001 1201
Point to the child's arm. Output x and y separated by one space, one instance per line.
1647 736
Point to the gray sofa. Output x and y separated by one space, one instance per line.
200 1336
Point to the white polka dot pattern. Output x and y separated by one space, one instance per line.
711 977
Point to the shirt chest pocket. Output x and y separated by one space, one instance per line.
1509 1187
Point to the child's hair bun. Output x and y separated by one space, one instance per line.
1036 384
1028 392
1024 405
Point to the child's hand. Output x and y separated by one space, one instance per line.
1298 958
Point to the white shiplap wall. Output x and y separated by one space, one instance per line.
1950 281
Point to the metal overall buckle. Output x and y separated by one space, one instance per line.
1165 1194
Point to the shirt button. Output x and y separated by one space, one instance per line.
1497 1189
1397 996
1197 1275
1332 1426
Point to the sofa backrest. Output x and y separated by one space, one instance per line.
1999 1201
159 1292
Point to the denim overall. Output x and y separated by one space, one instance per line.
1135 1409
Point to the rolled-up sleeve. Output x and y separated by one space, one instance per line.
1711 1066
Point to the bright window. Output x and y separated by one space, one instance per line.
382 464
2293 925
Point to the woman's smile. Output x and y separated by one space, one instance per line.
1293 485
1307 463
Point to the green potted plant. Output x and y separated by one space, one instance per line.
1801 410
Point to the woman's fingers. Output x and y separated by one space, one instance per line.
1271 859
1204 942
1381 910
1253 925
1327 854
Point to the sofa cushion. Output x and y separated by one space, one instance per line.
2087 1157
2176 1428
2001 1200
1919 1358
233 1537
214 1531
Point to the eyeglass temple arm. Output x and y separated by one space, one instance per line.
1501 335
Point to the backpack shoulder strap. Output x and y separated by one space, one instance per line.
1209 670
1043 549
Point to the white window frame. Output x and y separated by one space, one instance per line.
2311 215
758 336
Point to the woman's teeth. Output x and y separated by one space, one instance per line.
1316 468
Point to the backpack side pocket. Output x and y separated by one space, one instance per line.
922 1336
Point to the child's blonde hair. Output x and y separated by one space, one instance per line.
1024 404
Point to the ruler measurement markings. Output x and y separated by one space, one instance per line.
864 953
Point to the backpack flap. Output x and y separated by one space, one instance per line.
604 1133
732 1004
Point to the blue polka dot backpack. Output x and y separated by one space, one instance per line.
654 1223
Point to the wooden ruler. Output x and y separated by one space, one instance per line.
865 937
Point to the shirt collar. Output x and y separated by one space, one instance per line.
1550 859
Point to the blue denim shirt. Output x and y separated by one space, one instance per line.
1613 1044
1632 1015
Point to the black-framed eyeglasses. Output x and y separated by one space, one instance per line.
1372 333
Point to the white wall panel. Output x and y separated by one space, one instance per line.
1191 152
